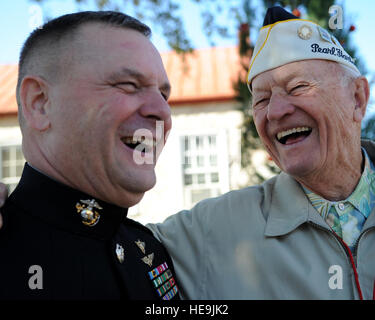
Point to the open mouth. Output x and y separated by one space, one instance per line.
293 135
142 144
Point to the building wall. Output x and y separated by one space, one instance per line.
10 132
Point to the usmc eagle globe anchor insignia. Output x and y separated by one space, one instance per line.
90 217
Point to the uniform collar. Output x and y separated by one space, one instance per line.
290 207
55 204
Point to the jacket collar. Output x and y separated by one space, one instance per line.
290 207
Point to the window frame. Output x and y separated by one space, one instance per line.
219 151
12 180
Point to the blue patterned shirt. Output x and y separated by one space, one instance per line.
348 216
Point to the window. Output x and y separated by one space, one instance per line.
11 165
201 173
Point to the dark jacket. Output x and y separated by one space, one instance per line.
47 252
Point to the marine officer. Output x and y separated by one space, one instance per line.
87 81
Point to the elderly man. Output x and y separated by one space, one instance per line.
307 233
87 82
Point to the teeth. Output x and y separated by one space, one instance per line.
137 140
148 143
282 134
127 140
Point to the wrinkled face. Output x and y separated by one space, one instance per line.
115 86
305 116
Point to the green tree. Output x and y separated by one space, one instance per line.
168 16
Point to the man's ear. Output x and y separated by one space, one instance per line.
35 102
361 94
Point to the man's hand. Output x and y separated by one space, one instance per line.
3 197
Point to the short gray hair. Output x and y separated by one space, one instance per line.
42 45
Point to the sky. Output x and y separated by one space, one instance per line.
19 17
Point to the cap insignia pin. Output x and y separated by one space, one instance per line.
90 217
304 32
141 245
120 253
148 259
334 40
324 34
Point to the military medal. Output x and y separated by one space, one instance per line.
89 216
141 245
163 281
148 259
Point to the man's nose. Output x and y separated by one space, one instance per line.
279 106
156 107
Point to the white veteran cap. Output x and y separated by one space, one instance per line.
285 38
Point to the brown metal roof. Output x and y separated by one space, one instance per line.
8 82
206 75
